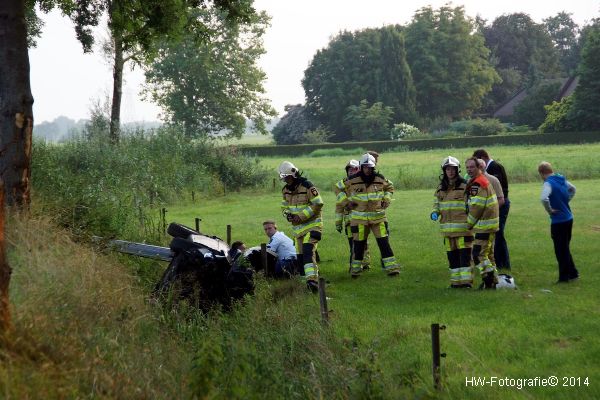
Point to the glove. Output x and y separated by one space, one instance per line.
289 217
296 219
338 227
434 216
385 204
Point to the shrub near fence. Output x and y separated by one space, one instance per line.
427 144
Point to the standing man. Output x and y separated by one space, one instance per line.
342 221
483 220
495 168
368 194
557 192
301 205
494 181
283 246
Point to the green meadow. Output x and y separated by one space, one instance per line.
540 330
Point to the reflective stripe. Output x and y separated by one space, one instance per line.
488 224
301 229
454 227
485 266
390 263
452 205
308 212
382 230
340 185
341 196
310 270
367 215
478 200
317 200
461 275
369 196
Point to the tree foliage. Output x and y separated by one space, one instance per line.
564 33
530 111
449 62
516 41
369 122
365 65
211 85
292 127
586 98
558 116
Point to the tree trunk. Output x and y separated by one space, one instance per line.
16 101
115 112
4 275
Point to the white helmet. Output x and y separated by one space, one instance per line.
286 168
506 282
450 162
367 160
353 164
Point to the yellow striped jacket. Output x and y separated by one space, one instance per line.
364 200
483 206
451 205
303 199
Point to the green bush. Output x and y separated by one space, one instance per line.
558 116
94 187
477 127
405 131
337 151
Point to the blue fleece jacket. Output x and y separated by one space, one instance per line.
559 198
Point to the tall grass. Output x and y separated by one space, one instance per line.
93 186
84 328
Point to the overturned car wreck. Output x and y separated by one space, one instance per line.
200 268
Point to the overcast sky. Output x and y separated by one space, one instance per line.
65 81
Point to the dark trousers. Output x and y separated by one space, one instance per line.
500 247
561 236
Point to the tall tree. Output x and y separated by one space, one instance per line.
16 104
564 33
16 100
213 84
449 62
586 98
516 41
363 65
293 125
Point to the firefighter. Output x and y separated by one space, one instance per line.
449 208
483 219
342 221
368 194
301 205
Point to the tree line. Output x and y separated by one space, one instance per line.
442 66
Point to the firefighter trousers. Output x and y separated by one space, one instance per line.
360 234
459 252
306 248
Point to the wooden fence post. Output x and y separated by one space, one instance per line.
323 302
263 259
229 235
435 349
198 224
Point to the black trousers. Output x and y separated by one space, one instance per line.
561 236
500 247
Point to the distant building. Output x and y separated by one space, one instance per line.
507 109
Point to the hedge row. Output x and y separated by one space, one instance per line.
426 144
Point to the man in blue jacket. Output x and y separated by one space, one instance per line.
556 194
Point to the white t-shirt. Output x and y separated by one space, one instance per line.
282 245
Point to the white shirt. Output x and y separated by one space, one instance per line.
282 245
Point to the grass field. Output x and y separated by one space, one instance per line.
540 330
84 327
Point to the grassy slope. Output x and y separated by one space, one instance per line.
540 330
